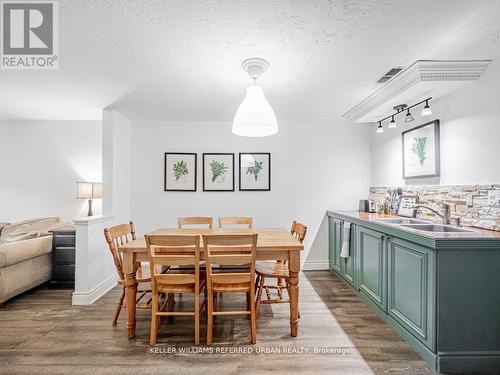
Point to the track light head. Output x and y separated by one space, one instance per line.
380 129
408 117
427 110
392 124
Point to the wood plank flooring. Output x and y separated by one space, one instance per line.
42 333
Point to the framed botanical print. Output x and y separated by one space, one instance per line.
255 171
218 172
421 151
180 171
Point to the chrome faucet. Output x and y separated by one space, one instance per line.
445 216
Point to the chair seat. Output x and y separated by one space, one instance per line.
231 287
271 269
181 288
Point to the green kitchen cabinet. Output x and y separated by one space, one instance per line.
372 274
335 243
347 265
411 285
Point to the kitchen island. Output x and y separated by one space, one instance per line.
439 290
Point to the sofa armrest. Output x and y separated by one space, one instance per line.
19 251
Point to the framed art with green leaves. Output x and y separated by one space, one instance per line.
255 171
180 171
421 151
218 172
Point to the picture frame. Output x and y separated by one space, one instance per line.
254 171
180 170
421 151
218 172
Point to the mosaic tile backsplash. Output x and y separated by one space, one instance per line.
468 202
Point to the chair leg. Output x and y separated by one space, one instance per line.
154 321
259 295
197 318
210 318
253 324
119 306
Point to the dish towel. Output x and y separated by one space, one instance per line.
344 253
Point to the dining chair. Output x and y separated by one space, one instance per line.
235 220
167 251
118 236
230 250
276 270
195 220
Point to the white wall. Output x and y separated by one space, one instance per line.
41 161
315 167
470 137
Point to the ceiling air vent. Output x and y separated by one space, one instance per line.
390 74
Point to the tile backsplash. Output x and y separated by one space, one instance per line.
468 202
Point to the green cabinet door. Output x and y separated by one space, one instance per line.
335 243
348 264
371 256
411 284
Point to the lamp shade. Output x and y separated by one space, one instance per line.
96 190
84 190
255 116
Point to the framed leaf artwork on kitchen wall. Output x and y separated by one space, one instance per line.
180 171
421 151
218 172
255 171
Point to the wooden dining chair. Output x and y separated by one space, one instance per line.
235 220
230 250
174 250
118 236
195 220
276 270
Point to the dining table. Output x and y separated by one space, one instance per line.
272 244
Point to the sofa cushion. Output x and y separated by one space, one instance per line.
2 224
15 252
11 232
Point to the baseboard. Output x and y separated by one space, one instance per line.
88 298
482 362
314 265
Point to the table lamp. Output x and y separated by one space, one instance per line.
89 190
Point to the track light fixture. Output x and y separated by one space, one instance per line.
392 124
380 129
427 110
408 118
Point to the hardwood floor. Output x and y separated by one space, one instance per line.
40 332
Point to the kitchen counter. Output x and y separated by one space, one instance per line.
481 237
439 291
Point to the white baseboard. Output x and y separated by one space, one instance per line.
314 265
88 298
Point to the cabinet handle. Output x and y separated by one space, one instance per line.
383 237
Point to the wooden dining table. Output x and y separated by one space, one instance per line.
272 244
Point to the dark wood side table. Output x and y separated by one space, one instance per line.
63 254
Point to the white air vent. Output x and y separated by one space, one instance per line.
390 74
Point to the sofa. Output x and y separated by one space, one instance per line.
25 255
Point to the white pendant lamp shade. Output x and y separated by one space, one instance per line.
255 117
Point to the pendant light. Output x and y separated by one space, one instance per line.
380 129
409 117
255 116
392 124
427 110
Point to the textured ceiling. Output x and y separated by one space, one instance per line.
180 60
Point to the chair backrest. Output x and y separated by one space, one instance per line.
118 236
235 220
174 250
230 250
195 220
298 231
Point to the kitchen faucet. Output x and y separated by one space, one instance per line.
445 215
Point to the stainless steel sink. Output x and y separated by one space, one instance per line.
436 228
399 221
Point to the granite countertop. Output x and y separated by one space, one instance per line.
372 218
